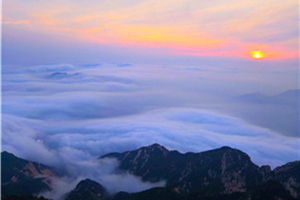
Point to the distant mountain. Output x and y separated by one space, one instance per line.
22 177
290 97
253 97
63 75
223 171
289 94
279 113
88 190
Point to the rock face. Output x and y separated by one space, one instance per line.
22 177
87 190
289 176
270 190
26 197
220 174
230 169
222 171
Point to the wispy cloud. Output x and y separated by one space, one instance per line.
16 22
184 27
103 108
67 116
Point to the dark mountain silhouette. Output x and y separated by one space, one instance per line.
230 169
289 176
87 190
22 177
219 174
23 197
222 171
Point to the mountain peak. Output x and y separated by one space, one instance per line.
226 148
156 146
24 177
5 153
87 181
87 189
223 171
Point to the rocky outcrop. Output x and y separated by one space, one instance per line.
87 190
222 171
289 176
22 177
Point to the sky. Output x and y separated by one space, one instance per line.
147 28
84 78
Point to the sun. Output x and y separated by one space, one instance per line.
257 54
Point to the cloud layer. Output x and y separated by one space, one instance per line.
67 116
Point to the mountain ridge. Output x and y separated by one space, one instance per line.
222 173
87 189
231 169
23 177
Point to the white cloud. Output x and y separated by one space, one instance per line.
70 122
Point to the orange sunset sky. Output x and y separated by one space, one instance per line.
227 28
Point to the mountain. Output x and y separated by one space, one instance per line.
219 172
279 113
24 197
151 194
63 75
22 177
289 176
226 170
253 98
87 190
270 190
290 97
287 95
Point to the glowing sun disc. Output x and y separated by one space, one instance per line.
257 54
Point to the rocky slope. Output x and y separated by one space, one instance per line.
22 177
87 190
222 171
289 176
228 168
219 174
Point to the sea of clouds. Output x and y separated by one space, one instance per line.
67 116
